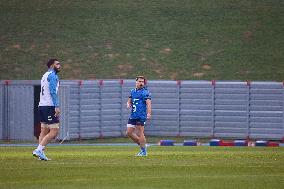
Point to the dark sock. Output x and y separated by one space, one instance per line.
143 149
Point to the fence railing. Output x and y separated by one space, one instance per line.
97 108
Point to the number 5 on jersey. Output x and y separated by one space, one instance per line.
135 102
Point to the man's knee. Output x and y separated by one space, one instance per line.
142 136
54 132
129 133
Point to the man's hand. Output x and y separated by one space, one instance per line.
57 112
128 105
148 116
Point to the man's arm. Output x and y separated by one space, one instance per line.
129 103
149 108
52 89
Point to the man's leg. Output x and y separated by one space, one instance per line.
51 135
142 138
47 130
53 131
130 133
44 131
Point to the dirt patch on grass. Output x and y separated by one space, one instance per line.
66 66
206 67
244 72
248 35
123 69
174 76
77 72
143 59
158 68
158 71
147 45
166 51
94 56
112 55
33 46
198 74
203 56
108 46
16 46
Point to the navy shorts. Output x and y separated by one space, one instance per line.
135 122
46 115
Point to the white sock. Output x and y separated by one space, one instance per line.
40 147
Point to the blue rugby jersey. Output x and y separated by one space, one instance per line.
49 89
138 101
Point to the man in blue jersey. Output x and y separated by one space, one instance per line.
48 108
139 102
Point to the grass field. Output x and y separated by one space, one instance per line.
161 39
165 167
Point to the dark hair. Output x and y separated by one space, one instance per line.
140 77
50 62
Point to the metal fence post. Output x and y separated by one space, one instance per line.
1 110
122 106
101 82
283 112
178 117
6 133
80 108
213 82
248 109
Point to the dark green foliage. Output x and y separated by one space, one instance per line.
161 39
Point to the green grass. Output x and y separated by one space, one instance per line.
161 39
165 167
150 140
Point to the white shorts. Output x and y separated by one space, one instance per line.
130 126
50 126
